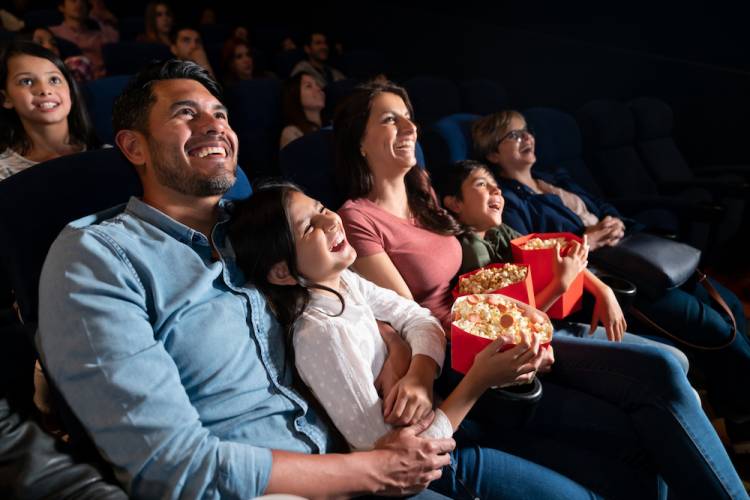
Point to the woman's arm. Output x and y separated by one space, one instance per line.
379 269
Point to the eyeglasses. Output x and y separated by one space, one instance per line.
517 135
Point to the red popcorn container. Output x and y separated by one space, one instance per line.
465 346
541 262
521 290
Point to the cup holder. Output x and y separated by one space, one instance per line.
625 290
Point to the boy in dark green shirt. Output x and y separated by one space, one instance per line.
469 191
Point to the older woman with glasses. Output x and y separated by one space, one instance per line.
542 202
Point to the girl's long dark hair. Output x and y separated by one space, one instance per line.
353 173
261 236
12 133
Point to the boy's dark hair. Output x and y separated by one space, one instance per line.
12 133
132 107
448 181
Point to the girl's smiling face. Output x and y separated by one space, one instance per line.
319 240
36 90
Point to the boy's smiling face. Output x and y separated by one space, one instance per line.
481 203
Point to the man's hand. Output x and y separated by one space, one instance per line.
407 463
396 363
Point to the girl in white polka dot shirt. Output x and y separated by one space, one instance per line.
295 251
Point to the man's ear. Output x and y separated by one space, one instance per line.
279 275
307 49
6 102
452 203
132 145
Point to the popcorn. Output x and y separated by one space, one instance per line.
492 278
540 244
493 316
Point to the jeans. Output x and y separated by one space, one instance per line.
614 416
482 471
689 313
581 330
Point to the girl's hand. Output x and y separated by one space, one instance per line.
548 359
607 311
409 401
515 366
567 268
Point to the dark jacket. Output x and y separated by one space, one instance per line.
529 212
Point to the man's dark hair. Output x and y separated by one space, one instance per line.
181 27
131 108
308 36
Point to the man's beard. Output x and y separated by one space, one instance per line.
185 180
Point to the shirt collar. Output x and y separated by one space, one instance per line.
176 229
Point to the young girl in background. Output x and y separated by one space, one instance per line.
43 116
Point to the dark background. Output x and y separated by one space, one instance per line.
560 54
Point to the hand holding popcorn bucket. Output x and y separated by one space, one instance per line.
479 319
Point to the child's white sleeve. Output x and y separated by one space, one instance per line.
415 323
441 427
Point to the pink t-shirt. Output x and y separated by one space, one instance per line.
427 261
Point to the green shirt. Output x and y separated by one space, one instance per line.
494 248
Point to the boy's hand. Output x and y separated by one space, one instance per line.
607 311
567 268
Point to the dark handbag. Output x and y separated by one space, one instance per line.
652 263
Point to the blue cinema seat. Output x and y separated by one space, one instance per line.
433 98
100 96
482 97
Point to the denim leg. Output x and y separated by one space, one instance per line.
489 473
582 437
581 330
690 314
652 389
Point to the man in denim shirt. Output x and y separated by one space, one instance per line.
175 369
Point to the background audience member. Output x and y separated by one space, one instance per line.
43 115
302 101
79 66
316 48
87 34
237 62
101 14
158 21
187 45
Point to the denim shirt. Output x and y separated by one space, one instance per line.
173 367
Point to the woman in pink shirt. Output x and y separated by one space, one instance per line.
392 217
